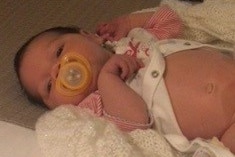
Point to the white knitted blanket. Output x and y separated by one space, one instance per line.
69 131
211 22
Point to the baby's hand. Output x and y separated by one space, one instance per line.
115 29
123 66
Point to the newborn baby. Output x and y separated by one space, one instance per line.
184 87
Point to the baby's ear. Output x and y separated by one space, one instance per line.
92 36
83 32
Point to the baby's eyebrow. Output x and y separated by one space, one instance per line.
51 45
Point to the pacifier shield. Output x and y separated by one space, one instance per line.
74 75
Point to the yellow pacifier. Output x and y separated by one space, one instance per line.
74 75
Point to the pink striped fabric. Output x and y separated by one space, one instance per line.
165 24
93 102
125 125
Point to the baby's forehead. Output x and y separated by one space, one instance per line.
39 44
43 40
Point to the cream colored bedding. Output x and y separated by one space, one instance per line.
16 141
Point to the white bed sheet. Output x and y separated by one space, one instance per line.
17 141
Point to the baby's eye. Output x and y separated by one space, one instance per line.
59 51
49 84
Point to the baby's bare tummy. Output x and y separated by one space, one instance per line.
201 85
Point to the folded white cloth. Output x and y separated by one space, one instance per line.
211 22
72 132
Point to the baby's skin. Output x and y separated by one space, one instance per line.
201 85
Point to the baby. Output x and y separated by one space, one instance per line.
190 93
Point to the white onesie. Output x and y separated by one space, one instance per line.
150 85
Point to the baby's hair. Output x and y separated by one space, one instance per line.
20 54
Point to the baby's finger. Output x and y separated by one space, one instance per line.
118 34
110 38
107 29
140 63
131 67
124 69
106 37
100 27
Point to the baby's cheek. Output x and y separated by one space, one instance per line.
57 99
73 100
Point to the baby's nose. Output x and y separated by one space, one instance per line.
55 71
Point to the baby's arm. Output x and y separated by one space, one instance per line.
228 138
164 24
120 26
118 99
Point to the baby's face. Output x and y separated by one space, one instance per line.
39 67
